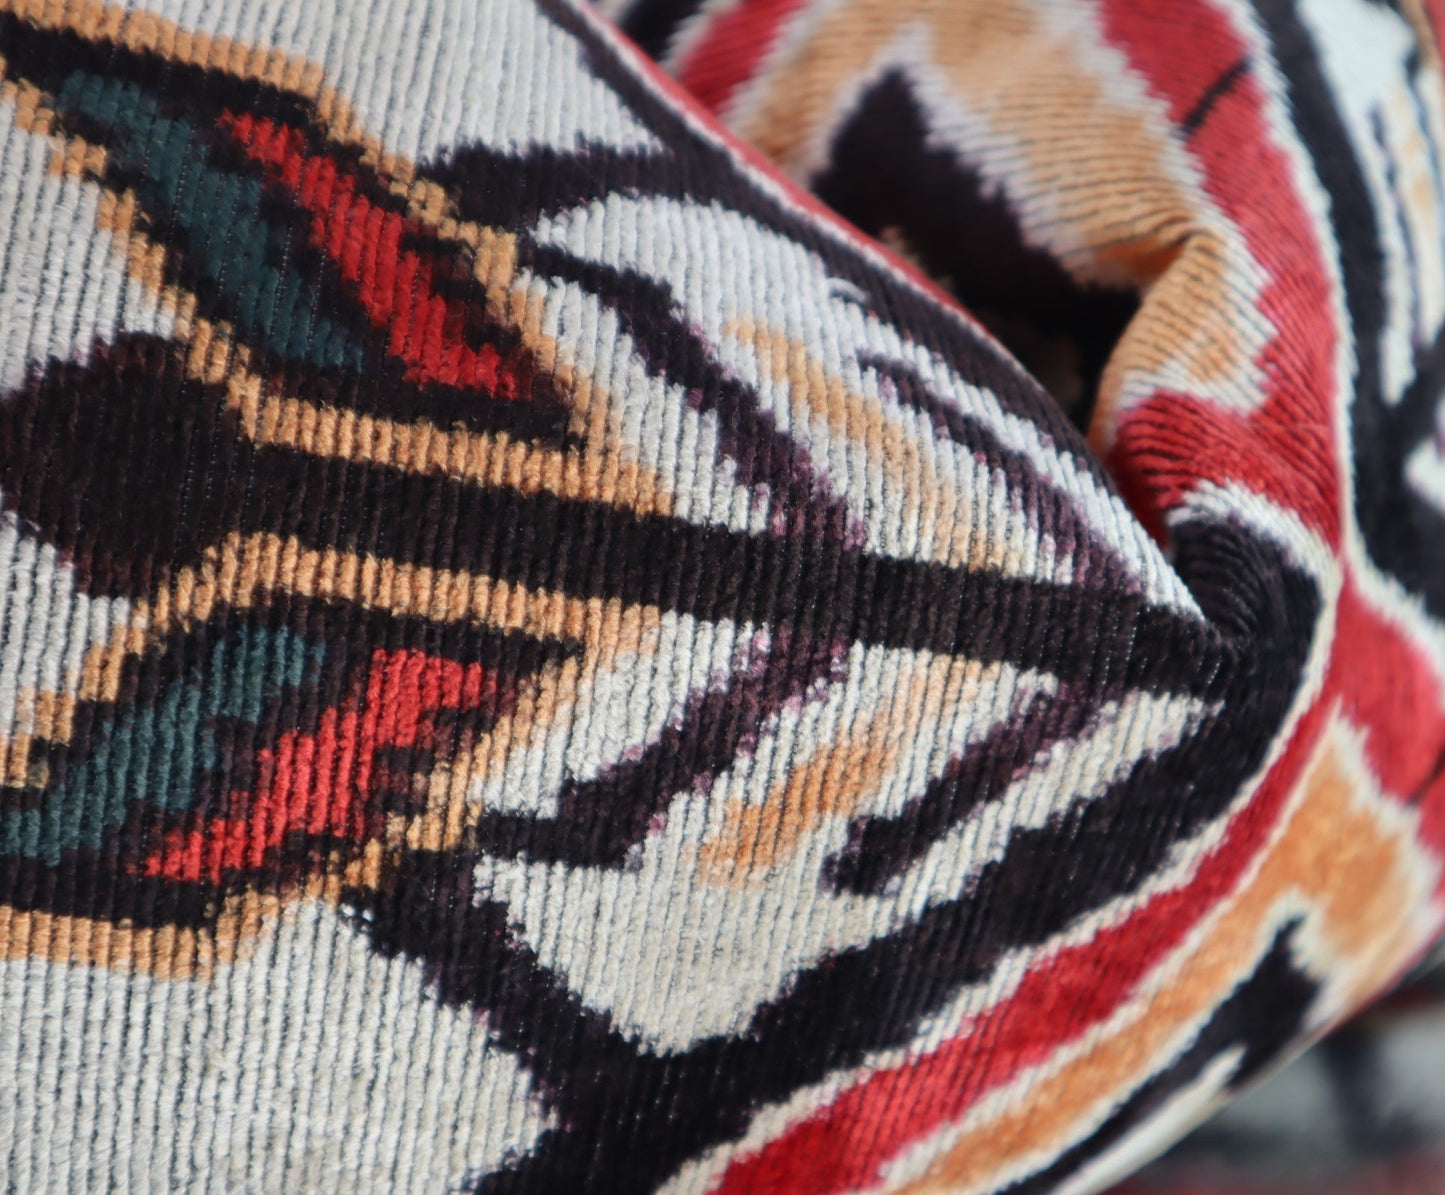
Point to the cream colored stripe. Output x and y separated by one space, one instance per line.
839 776
166 951
599 470
542 702
1362 877
243 568
594 472
930 501
243 571
1100 168
140 30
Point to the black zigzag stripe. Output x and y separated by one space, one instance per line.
929 324
156 471
887 170
864 999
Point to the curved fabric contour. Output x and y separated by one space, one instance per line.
536 659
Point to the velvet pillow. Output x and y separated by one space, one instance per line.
535 659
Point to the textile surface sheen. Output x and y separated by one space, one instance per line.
537 660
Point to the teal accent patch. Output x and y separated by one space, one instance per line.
228 237
156 754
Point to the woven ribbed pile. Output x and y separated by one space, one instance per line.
537 660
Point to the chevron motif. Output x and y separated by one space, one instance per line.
535 659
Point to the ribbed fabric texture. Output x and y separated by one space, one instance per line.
536 660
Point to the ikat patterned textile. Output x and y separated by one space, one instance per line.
537 660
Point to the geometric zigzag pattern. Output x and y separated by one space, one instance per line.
534 658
